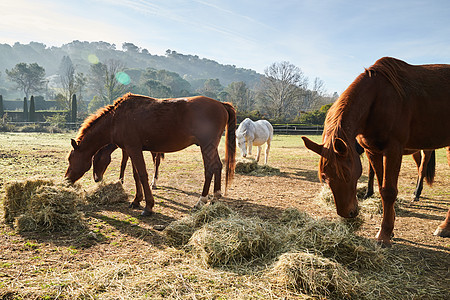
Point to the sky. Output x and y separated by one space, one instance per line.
333 40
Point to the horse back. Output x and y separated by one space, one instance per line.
168 125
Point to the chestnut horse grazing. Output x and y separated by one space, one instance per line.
136 123
102 159
390 108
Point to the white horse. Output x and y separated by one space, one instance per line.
251 133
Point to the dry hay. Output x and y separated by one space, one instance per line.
42 205
336 240
179 232
105 193
234 241
371 205
317 276
251 167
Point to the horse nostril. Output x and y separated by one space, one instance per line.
353 213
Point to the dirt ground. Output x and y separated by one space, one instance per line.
34 260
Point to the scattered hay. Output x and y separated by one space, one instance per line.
179 232
334 240
315 275
251 167
233 240
42 205
106 193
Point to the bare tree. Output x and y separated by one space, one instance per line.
281 89
67 79
104 80
240 95
315 97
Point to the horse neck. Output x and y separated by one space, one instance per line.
354 108
98 135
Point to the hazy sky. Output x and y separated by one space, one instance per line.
330 39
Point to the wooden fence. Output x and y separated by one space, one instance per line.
297 129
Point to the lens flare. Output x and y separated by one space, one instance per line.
93 59
123 78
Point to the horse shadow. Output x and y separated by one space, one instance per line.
302 174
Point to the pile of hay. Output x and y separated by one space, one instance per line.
335 240
317 276
251 167
105 193
42 205
178 233
233 241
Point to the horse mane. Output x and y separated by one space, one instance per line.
394 70
90 121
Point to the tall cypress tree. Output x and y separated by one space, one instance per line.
2 109
25 109
74 108
32 113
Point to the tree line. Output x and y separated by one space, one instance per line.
282 94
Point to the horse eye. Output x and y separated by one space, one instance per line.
324 177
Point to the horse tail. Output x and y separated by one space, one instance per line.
230 144
431 168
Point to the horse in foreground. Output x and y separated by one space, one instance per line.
390 108
136 123
257 133
102 159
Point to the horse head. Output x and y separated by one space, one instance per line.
340 167
101 161
79 163
242 142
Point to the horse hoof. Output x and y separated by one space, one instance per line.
384 244
146 213
134 205
442 232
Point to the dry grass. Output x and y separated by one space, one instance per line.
121 256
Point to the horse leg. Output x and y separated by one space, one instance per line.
266 157
139 194
137 159
444 228
156 162
389 191
210 160
258 153
370 183
216 166
421 168
123 165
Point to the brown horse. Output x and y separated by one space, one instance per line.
136 123
426 163
391 107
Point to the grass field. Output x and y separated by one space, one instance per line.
124 256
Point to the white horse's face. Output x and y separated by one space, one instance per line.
242 144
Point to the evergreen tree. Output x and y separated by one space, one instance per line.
74 108
32 112
25 109
2 109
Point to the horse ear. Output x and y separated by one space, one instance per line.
74 144
313 146
340 147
